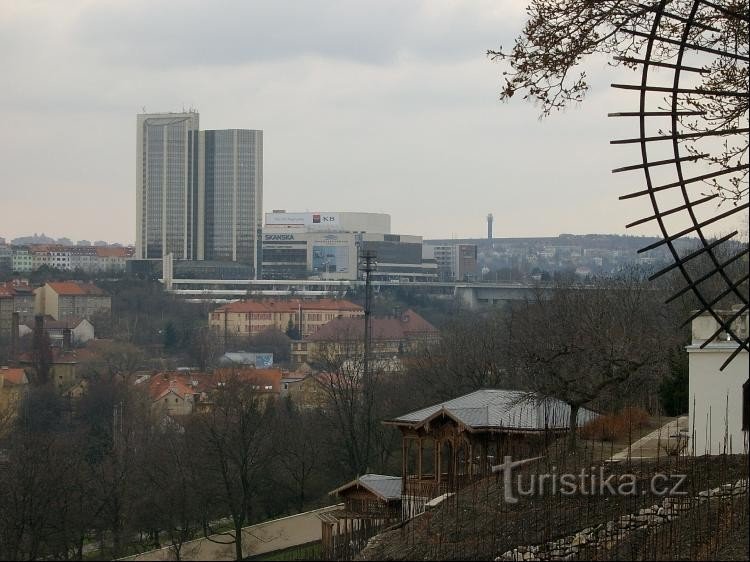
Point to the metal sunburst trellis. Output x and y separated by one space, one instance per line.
722 254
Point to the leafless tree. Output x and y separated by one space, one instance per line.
579 343
235 440
560 34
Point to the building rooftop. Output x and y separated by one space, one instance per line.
288 305
75 288
490 409
407 325
387 488
13 376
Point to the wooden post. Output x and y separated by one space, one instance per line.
419 461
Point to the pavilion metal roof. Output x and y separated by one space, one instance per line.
385 487
498 409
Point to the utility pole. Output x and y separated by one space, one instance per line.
367 266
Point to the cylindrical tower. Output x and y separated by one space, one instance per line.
489 226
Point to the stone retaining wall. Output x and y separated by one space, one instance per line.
606 535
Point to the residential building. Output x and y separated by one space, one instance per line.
343 338
15 296
81 331
23 259
67 299
455 262
13 383
199 193
716 388
251 317
176 393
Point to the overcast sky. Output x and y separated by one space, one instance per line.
383 105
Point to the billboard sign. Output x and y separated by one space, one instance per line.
301 220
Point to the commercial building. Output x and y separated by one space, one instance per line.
455 262
167 185
252 317
329 221
199 193
302 254
230 195
399 257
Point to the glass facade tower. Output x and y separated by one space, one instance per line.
167 185
199 193
233 180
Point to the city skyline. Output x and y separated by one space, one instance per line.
389 109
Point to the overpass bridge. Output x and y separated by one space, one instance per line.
467 295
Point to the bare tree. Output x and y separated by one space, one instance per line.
560 34
235 438
472 353
579 343
299 458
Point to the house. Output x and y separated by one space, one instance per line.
81 331
63 365
308 392
392 336
371 502
13 383
715 386
176 393
448 445
71 299
252 317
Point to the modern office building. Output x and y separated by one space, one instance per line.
230 199
330 221
166 185
199 193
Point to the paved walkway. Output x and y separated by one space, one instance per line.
257 539
656 443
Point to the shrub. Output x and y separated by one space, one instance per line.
612 427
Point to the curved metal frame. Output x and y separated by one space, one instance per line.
708 247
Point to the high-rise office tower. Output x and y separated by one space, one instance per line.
232 194
199 193
166 184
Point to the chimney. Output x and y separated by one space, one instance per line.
38 325
14 336
67 343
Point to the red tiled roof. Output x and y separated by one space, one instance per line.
289 305
14 289
259 377
14 376
181 383
72 288
113 252
408 325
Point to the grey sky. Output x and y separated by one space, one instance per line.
383 105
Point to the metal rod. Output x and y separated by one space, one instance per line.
673 210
